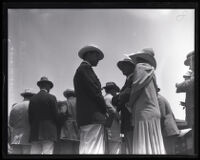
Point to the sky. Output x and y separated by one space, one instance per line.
45 42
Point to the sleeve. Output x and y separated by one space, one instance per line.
93 90
124 95
54 109
185 86
12 118
143 75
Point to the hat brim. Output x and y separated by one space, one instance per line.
112 87
146 57
121 64
39 83
27 94
67 94
85 50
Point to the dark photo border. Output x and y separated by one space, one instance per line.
189 4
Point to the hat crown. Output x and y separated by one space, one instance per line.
110 84
91 48
44 78
148 51
27 91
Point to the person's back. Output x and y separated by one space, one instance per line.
169 127
41 105
43 118
19 123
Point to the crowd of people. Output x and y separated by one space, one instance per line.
135 119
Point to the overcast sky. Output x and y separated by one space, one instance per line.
45 42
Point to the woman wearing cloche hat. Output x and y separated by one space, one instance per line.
143 104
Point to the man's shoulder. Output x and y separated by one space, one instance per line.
84 66
43 95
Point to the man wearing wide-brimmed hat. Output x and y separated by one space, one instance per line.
91 107
113 120
43 119
127 67
20 126
144 106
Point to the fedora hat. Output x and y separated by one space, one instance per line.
111 85
189 55
90 48
125 61
44 80
68 92
27 92
147 54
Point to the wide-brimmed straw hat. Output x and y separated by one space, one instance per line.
125 61
90 48
27 92
147 54
111 85
189 55
44 80
68 93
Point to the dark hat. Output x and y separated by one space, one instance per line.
189 55
111 85
147 54
68 92
27 92
125 61
90 48
44 80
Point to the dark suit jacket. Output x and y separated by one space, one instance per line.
43 117
120 100
91 106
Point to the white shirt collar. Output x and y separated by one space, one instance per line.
87 62
44 90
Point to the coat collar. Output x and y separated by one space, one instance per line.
87 63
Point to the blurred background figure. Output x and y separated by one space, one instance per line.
19 125
187 87
43 119
186 76
113 120
69 134
169 127
120 100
